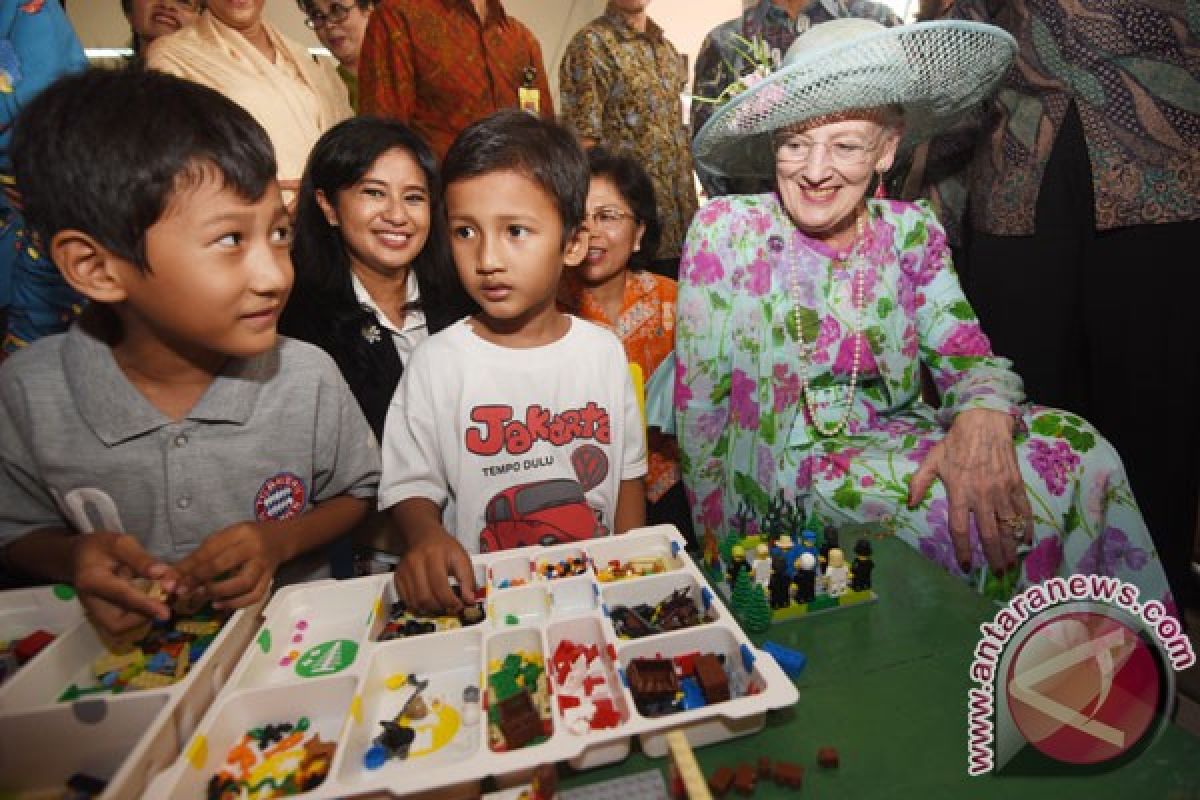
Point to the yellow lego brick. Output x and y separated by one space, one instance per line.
150 680
198 627
119 662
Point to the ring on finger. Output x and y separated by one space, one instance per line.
1014 524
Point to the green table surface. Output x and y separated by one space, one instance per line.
886 684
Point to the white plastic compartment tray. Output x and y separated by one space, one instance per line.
316 656
124 739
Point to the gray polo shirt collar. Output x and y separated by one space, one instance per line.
116 411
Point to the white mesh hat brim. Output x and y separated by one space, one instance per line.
934 71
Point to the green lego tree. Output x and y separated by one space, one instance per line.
756 617
742 594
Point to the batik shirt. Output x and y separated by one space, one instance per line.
720 62
436 66
623 88
1132 69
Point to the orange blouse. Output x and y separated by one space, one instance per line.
646 327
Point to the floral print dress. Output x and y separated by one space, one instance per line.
746 434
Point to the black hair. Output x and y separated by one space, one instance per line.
540 149
339 160
636 188
307 5
103 152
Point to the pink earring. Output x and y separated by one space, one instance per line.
880 188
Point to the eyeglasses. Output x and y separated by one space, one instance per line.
844 153
337 13
608 217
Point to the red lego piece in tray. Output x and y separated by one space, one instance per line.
31 645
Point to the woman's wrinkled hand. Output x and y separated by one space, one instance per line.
977 464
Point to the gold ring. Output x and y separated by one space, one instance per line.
1014 525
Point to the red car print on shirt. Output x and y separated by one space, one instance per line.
547 512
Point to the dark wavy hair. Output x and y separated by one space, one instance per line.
339 159
637 190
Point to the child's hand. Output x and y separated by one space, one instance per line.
105 566
234 566
421 576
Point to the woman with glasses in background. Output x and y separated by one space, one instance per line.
341 26
806 315
614 288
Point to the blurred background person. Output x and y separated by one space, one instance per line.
38 47
341 26
150 19
621 83
233 49
439 65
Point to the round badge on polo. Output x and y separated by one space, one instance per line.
281 496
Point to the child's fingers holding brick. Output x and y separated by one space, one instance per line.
105 565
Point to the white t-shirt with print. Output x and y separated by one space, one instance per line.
518 446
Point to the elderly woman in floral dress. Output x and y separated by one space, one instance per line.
805 316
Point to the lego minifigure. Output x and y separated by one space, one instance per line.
805 578
860 575
837 574
828 542
761 567
808 544
783 545
738 563
779 584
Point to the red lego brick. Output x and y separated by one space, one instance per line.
31 645
744 779
721 781
788 774
827 757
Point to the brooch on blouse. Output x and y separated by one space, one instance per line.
370 332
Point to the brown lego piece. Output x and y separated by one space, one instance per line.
720 781
744 779
789 774
764 767
827 757
653 683
519 721
714 683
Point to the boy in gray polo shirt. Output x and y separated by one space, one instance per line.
171 425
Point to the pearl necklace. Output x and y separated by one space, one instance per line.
807 350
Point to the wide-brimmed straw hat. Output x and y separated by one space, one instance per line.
933 71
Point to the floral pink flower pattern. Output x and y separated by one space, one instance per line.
738 351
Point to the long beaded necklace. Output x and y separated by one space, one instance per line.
807 350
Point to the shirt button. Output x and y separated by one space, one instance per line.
181 440
184 502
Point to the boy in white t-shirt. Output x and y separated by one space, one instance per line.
518 425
